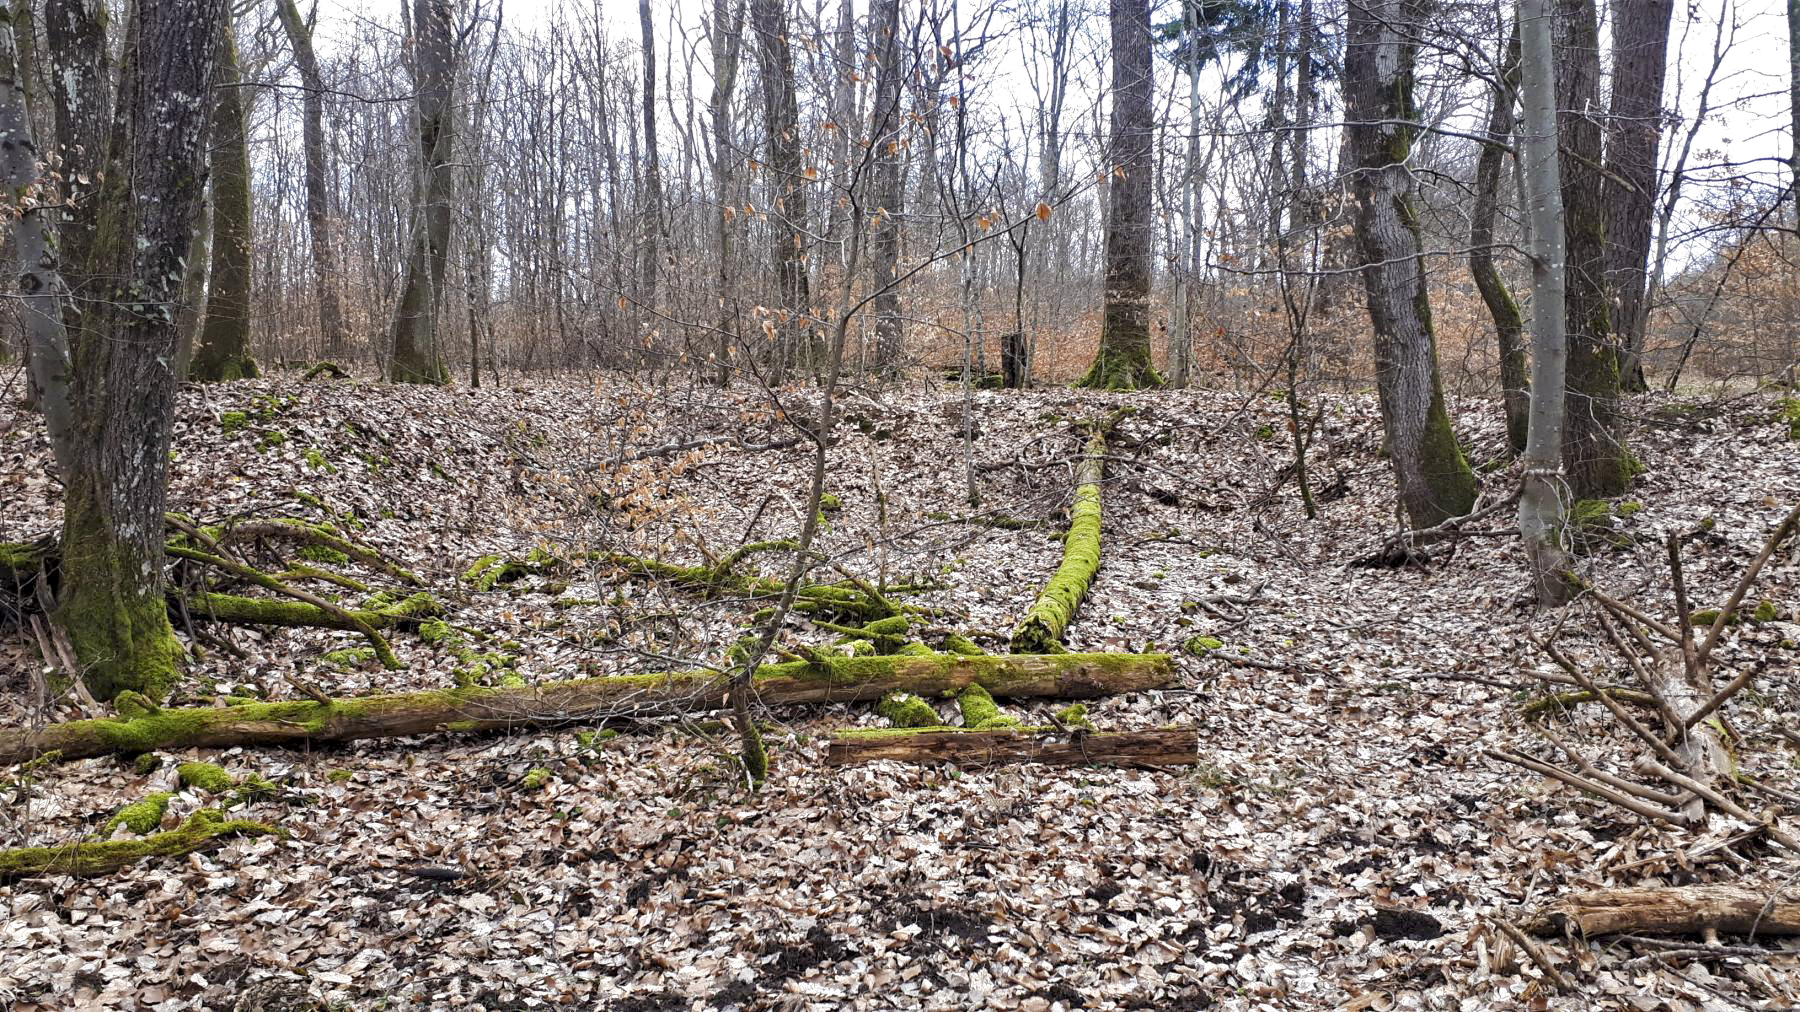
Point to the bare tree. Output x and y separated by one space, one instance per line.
414 356
727 35
318 195
1435 481
1123 362
653 189
888 196
768 18
1640 49
223 351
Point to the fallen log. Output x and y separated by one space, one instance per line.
1178 746
204 829
481 708
1043 627
1676 910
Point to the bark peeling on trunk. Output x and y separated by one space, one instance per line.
1434 479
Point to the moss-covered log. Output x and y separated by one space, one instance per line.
478 708
235 610
204 829
1683 910
1163 747
1044 625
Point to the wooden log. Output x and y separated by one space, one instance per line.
480 708
1044 625
1176 746
202 830
1676 910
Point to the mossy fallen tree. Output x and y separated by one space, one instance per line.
1677 910
202 830
846 601
143 728
982 747
1044 625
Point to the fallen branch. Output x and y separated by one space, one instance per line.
1678 910
1164 747
204 829
479 708
1044 625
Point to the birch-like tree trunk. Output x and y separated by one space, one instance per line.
223 351
332 335
414 356
122 389
1541 506
1123 362
1434 480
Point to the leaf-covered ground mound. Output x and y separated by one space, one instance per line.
1343 843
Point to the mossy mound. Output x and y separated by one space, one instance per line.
208 777
141 817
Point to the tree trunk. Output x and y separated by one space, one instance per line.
653 199
1123 362
1677 910
1434 480
202 830
223 352
81 94
1509 324
1793 20
123 387
727 45
318 195
795 338
1542 518
1593 449
1640 41
1171 746
830 680
888 197
414 356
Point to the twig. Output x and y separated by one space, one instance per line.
1744 582
1600 791
1537 955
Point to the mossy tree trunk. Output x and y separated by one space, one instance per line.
413 354
318 196
1594 454
144 728
1123 362
1044 625
1509 323
1174 746
223 351
123 384
1434 480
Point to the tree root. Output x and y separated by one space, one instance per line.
203 830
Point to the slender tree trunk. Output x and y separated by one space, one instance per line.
653 198
1181 351
1593 441
796 342
122 389
1541 509
886 132
1123 362
727 46
223 352
1509 324
318 195
1434 480
1640 41
414 355
1793 19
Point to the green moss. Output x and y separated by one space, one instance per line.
438 632
1766 611
95 858
491 570
1055 607
1707 616
141 816
1200 646
755 757
340 776
147 763
955 643
324 554
350 657
1788 410
273 438
232 422
830 503
536 779
978 707
903 709
208 777
1075 715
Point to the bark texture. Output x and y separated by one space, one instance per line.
829 680
318 195
1123 362
123 383
81 94
781 115
1640 44
727 35
1434 479
414 356
223 352
1509 323
1594 454
889 193
1162 747
1679 910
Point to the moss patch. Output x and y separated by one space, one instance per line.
536 779
141 816
1200 646
208 777
903 709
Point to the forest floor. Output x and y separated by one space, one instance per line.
1343 844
